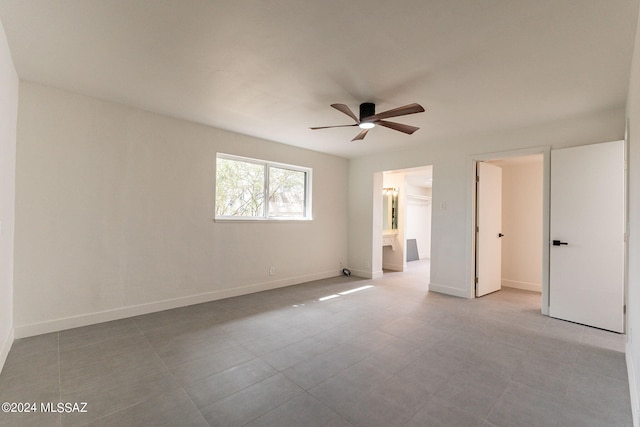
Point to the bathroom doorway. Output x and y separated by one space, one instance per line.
406 225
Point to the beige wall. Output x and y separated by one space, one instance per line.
114 215
522 223
8 117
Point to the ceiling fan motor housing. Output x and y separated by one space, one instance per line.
367 109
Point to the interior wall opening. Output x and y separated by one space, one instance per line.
406 220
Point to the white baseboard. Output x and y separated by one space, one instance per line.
535 287
5 348
61 324
448 290
366 274
633 389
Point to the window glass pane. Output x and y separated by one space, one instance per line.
286 193
239 188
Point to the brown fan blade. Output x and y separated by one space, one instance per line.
400 111
329 127
398 126
361 135
346 110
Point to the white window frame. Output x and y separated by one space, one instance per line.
308 213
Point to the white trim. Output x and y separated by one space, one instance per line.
366 274
535 287
448 290
377 274
260 219
61 324
633 387
5 348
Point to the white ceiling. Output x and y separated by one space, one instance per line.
271 68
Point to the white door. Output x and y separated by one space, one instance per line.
488 231
587 231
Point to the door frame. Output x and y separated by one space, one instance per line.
546 191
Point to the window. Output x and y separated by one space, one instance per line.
257 189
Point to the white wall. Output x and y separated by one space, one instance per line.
522 223
633 277
418 223
452 190
8 117
114 215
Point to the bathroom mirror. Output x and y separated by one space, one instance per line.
389 209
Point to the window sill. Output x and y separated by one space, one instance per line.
240 219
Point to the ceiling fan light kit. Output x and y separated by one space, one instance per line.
367 109
369 119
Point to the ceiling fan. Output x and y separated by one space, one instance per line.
369 119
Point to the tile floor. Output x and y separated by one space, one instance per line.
388 355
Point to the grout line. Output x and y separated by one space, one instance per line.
195 406
486 417
303 391
142 401
425 403
200 379
146 339
326 406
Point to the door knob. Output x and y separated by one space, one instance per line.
500 234
558 243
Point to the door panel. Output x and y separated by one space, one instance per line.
587 213
489 222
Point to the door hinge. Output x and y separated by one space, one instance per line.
476 281
624 309
477 229
477 178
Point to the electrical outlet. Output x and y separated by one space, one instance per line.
272 271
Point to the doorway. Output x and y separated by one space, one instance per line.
406 219
518 237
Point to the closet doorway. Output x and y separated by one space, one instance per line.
519 231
